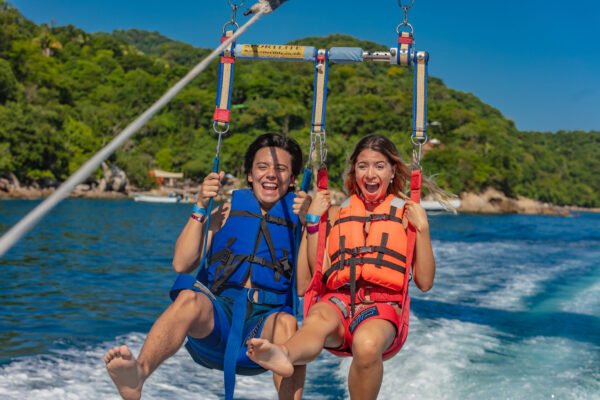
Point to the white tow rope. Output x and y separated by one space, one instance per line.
34 216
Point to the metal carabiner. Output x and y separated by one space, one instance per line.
417 149
230 23
323 148
218 130
405 18
412 31
311 149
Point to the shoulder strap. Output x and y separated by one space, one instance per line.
315 288
416 180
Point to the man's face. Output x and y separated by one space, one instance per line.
271 175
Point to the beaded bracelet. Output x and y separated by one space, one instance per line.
312 228
312 218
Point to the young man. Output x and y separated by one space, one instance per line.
244 287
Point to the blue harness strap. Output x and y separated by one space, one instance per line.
234 340
233 344
185 281
241 297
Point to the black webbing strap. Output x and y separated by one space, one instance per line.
267 217
370 218
269 240
350 219
384 240
352 272
358 251
363 260
281 267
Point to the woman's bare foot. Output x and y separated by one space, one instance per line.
125 372
270 356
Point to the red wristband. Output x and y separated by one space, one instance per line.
198 218
312 228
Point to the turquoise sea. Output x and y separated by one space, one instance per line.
514 313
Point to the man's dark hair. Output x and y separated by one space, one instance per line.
274 140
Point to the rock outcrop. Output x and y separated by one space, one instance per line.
493 201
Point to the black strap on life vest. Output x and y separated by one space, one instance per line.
370 218
382 250
266 217
361 260
229 261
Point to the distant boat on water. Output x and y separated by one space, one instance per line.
432 205
154 198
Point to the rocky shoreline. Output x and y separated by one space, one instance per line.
491 201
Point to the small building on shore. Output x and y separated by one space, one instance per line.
165 178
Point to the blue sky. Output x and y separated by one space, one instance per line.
537 61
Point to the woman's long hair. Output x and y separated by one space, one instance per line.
401 170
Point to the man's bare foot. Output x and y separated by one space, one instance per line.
125 372
270 356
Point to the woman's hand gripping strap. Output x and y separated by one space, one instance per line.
416 180
316 287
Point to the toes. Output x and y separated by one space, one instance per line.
118 352
125 352
110 354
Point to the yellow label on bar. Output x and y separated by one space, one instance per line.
272 51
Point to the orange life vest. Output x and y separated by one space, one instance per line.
377 257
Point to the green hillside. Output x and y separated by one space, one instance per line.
65 93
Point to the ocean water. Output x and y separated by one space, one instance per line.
514 313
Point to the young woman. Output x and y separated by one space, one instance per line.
364 270
244 287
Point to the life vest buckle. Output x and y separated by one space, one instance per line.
285 264
227 257
251 293
357 251
363 295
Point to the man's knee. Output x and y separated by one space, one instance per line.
286 324
192 304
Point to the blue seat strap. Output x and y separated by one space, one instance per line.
185 281
261 296
234 342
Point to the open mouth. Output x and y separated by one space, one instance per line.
371 187
269 186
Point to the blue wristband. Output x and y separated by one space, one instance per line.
199 210
312 218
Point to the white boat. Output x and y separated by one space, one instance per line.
154 198
432 205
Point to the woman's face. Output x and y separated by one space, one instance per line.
373 173
271 175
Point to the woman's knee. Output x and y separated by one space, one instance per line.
367 350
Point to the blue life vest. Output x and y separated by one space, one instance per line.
253 245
